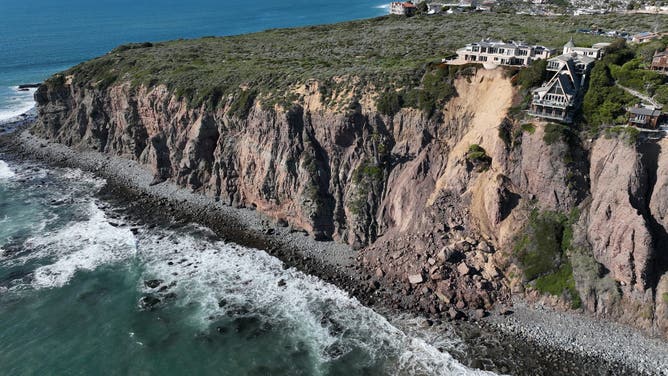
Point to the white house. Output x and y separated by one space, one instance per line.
502 53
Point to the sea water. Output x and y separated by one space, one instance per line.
84 291
41 37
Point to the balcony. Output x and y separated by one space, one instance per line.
553 104
564 116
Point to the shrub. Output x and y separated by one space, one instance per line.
529 128
541 253
532 76
389 103
242 105
554 133
629 134
478 157
665 297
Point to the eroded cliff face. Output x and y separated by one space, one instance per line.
434 223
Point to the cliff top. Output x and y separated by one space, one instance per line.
387 51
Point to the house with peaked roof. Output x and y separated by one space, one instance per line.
594 52
560 96
660 61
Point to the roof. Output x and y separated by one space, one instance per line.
502 44
601 45
660 54
575 57
570 43
644 111
408 5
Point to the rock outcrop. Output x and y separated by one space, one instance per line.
435 223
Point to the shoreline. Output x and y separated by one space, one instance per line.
543 337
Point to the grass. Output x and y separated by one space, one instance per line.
529 128
380 52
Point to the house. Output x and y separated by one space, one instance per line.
502 53
644 117
405 8
595 52
660 61
559 97
643 37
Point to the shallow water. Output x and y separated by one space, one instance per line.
82 291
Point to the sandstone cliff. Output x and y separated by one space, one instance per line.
435 221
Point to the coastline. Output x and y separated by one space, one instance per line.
605 348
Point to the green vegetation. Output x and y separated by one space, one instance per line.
555 132
394 53
529 128
605 102
478 157
389 103
665 297
532 76
368 177
629 134
542 253
635 75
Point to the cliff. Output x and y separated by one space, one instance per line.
454 204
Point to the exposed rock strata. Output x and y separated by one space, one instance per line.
434 224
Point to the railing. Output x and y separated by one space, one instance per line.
557 104
564 117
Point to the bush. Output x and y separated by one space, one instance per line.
242 105
554 133
478 157
389 103
529 128
665 297
558 283
629 134
532 76
541 253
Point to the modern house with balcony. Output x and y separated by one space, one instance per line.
502 53
559 98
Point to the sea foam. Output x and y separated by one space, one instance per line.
79 246
5 171
319 314
15 102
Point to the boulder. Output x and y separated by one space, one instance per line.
415 279
463 269
153 283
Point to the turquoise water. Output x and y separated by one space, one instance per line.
42 37
85 291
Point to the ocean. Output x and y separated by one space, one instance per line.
41 37
85 291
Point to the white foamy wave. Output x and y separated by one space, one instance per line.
16 102
79 246
321 315
5 171
81 176
384 6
